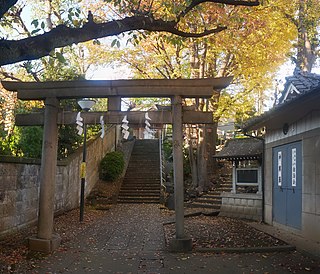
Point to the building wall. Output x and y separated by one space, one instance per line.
308 131
241 205
19 183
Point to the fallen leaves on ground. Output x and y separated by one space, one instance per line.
222 232
14 253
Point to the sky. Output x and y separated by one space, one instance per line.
108 73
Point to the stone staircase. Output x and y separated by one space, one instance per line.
211 200
141 183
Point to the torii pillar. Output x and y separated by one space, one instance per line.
46 241
181 243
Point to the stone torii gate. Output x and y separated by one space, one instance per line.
114 90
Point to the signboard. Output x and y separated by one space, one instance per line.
279 168
247 176
294 167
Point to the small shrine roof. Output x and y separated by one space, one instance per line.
241 149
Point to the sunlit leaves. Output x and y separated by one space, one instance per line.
60 57
255 44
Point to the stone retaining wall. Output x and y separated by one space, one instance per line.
19 183
245 206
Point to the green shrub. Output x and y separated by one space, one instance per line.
111 166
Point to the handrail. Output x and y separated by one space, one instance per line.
161 161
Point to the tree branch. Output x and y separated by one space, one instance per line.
5 5
12 51
194 3
197 35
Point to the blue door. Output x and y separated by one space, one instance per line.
287 184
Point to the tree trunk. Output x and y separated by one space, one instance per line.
211 139
193 165
306 55
202 162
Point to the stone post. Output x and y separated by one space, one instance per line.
45 240
234 177
181 243
259 180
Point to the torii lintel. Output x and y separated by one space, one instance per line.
187 88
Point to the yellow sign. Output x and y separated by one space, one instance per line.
83 170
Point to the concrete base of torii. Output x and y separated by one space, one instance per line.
181 245
44 245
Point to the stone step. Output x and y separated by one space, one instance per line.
138 192
103 207
136 161
135 178
225 184
202 205
144 169
142 174
141 180
146 147
134 196
103 201
144 164
143 161
138 199
152 153
141 183
138 189
225 189
214 194
209 200
147 141
144 151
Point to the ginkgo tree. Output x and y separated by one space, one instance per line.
255 44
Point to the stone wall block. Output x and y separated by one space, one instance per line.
250 203
8 182
7 169
258 203
244 202
19 183
237 201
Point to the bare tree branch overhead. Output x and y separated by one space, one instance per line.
12 51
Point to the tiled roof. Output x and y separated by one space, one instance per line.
308 87
302 81
241 149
